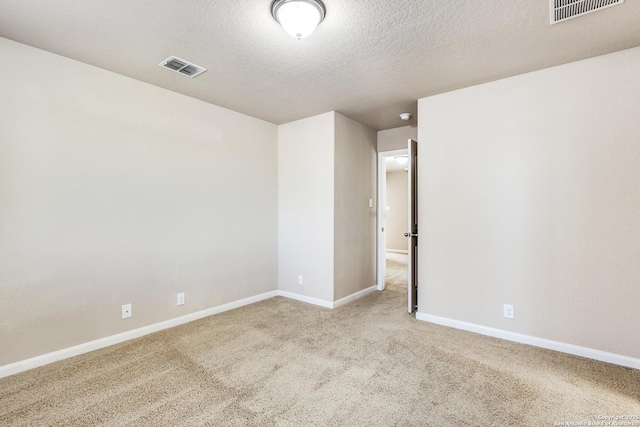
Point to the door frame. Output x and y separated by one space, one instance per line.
381 237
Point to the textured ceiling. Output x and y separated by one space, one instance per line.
370 59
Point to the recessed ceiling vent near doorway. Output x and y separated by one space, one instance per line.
561 10
183 67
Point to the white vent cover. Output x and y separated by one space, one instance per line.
561 10
181 66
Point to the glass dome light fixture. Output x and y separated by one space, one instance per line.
298 17
402 160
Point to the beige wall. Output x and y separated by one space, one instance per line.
327 167
396 138
355 221
530 195
396 218
305 200
113 191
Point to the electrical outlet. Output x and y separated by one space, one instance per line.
126 311
180 299
508 311
300 280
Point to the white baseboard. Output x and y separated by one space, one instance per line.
575 350
397 251
304 298
359 294
327 304
45 359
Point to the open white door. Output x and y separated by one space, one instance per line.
412 234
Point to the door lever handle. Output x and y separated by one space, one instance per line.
410 234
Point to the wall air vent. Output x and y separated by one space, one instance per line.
561 10
181 66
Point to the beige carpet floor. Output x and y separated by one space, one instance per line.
286 363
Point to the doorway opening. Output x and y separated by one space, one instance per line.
397 232
393 194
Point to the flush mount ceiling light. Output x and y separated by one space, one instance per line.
298 17
402 160
405 116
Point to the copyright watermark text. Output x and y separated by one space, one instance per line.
604 421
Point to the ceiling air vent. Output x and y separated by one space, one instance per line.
561 10
181 66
